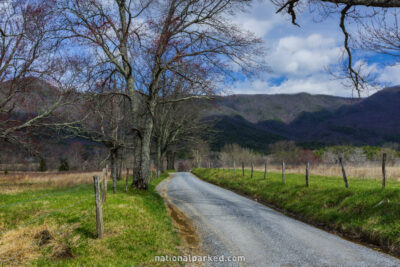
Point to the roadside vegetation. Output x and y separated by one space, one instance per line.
362 212
57 226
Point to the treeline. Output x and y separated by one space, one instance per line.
290 153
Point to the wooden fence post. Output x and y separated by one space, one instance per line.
307 172
127 180
346 184
99 213
234 166
114 176
383 170
242 168
283 173
252 167
104 186
265 170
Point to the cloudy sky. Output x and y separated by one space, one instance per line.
299 57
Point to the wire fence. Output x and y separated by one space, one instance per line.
283 167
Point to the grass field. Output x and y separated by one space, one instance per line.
57 226
362 212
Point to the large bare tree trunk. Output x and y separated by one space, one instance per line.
137 161
145 154
113 163
163 166
159 158
120 163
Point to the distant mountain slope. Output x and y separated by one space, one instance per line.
283 107
374 120
235 129
306 119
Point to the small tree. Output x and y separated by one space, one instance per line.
64 166
42 165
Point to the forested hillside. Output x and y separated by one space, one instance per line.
256 121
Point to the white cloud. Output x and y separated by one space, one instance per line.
390 75
260 18
259 28
300 57
315 84
302 61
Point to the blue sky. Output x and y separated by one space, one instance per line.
299 57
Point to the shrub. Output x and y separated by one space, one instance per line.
64 166
42 165
5 172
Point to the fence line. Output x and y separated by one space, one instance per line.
340 163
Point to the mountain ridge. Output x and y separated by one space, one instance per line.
309 118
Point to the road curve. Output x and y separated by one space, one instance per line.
232 225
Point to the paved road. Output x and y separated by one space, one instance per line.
232 225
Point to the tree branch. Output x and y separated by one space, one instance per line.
186 99
367 3
290 10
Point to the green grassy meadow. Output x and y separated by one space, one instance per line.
362 212
57 227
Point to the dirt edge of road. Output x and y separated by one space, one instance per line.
364 241
187 231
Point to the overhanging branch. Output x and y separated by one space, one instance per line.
185 99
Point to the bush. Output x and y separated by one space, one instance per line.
42 165
5 172
64 166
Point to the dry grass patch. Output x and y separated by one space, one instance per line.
17 182
19 247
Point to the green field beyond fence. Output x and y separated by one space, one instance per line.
364 211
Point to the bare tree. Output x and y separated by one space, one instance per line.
102 119
382 34
231 153
35 81
174 125
194 41
140 41
200 153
